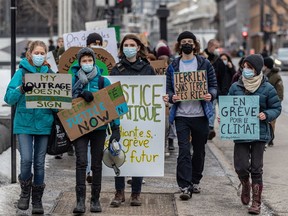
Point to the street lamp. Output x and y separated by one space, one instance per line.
162 13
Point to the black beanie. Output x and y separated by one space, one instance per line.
85 51
268 62
256 61
186 34
93 37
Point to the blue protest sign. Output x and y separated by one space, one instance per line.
239 117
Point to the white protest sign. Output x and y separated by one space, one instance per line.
94 25
78 39
49 91
143 127
51 60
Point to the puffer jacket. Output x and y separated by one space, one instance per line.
275 79
92 86
203 64
27 121
140 67
269 104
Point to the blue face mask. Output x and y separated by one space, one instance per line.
87 67
130 52
247 73
38 60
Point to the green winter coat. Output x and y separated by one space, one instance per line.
275 79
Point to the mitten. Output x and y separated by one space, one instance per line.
87 96
115 134
27 88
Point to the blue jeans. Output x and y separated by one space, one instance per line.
32 150
136 184
189 170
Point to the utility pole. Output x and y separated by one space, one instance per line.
13 9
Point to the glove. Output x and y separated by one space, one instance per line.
115 134
87 96
26 88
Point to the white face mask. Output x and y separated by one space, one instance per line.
216 52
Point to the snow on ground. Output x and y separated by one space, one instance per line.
5 79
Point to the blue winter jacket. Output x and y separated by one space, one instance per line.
203 64
27 121
269 104
92 86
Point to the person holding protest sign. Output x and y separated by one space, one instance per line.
133 62
94 40
85 82
191 116
32 127
248 154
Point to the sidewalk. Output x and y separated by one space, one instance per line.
160 196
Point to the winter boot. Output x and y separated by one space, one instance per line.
255 208
246 190
23 202
95 205
80 196
135 199
118 199
37 193
171 144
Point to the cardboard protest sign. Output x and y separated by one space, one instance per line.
104 60
108 104
159 66
239 117
190 85
78 39
142 127
50 90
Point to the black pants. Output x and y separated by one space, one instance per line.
248 158
189 170
97 140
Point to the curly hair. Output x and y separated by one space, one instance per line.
142 53
196 49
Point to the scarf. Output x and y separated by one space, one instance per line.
253 83
83 79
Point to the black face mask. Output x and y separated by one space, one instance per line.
187 48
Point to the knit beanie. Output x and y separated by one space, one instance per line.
85 51
256 61
186 34
93 37
268 62
164 50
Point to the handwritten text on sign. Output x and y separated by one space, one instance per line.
50 90
239 117
190 85
143 126
108 104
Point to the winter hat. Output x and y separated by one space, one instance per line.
186 34
85 51
93 37
160 44
164 50
256 61
268 62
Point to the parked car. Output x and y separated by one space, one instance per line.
281 59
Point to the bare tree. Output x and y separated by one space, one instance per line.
46 9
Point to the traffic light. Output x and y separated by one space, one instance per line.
245 34
124 4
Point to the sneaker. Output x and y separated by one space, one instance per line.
186 193
196 188
58 156
89 179
143 181
129 181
